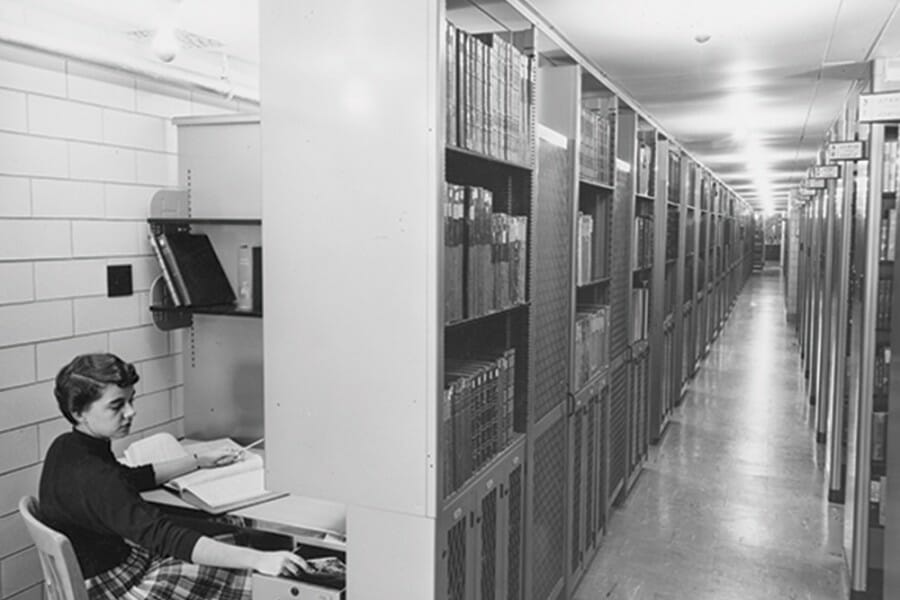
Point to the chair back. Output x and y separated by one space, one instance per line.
62 575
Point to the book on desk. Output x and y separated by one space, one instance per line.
216 490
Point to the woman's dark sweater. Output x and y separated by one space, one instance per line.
94 500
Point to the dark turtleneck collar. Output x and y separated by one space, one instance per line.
94 444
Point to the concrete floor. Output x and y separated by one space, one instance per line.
732 504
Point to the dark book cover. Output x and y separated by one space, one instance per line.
196 269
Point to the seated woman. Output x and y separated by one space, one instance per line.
126 547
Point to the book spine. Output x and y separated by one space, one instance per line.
245 278
163 267
447 439
166 250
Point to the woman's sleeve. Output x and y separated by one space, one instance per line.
116 504
143 478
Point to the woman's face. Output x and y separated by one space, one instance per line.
110 416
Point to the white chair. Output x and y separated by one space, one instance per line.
62 575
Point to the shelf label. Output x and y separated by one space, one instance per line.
807 192
878 108
825 172
854 150
815 184
623 166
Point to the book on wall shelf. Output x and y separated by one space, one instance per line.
193 274
214 490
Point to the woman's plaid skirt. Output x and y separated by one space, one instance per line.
144 576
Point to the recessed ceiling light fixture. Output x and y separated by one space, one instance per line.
165 44
702 37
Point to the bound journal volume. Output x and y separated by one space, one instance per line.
191 269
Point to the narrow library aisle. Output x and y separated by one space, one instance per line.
733 503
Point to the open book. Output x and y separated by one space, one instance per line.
214 490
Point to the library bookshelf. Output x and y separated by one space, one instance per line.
475 268
846 308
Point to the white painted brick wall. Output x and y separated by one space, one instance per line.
67 198
58 118
13 111
82 149
17 366
18 282
23 239
26 155
16 194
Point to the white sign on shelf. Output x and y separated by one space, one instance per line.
807 192
815 184
854 150
826 172
878 108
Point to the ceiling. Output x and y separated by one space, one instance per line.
749 88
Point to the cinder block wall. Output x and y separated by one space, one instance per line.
82 149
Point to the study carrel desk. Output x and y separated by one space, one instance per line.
318 526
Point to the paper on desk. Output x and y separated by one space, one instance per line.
158 447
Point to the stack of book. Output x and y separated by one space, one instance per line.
883 308
878 501
888 236
669 298
882 371
489 95
485 255
642 243
585 253
191 270
454 252
591 342
595 148
672 220
879 435
674 178
477 413
891 163
645 169
640 310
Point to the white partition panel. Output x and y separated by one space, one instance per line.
351 169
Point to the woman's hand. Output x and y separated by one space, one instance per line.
280 563
217 458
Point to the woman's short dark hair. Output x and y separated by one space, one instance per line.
83 380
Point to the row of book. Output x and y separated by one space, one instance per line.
645 169
882 371
878 501
584 255
888 238
883 306
485 255
640 311
672 220
477 413
595 157
193 275
674 178
591 342
891 162
879 435
489 95
669 296
642 243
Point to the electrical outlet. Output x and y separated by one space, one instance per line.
118 280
